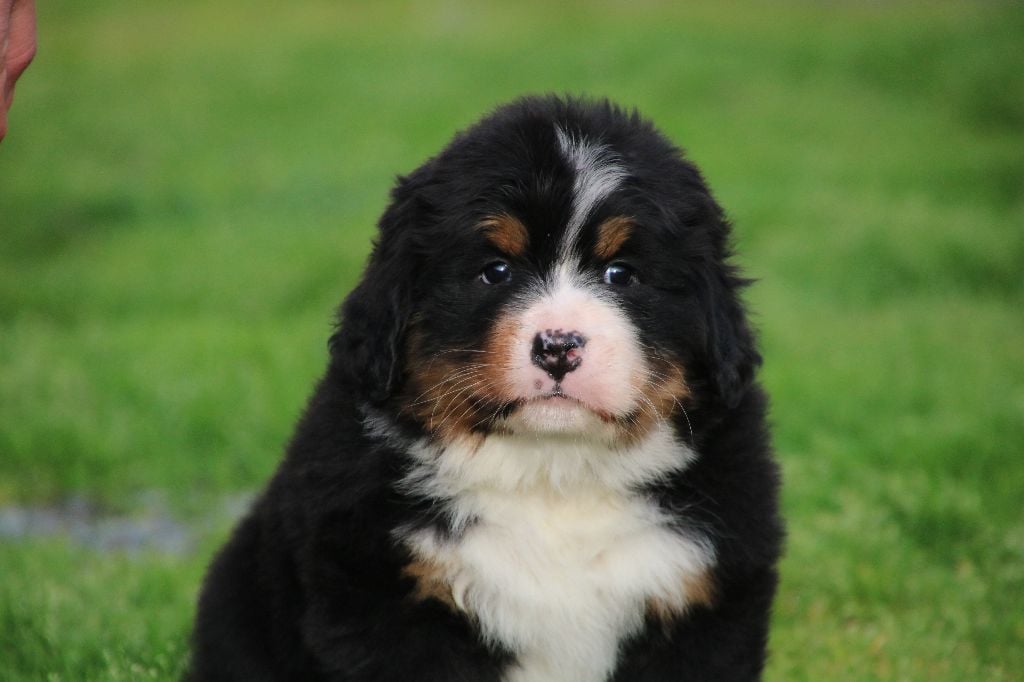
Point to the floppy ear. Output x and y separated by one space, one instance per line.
730 342
367 348
731 348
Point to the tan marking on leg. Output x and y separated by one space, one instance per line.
429 583
696 590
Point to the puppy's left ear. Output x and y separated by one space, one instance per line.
731 346
367 348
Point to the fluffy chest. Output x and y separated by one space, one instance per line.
562 579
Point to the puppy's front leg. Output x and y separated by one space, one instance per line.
722 643
367 625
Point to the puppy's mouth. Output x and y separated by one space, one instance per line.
557 397
556 394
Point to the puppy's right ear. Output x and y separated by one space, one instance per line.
367 348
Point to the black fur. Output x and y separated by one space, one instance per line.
310 586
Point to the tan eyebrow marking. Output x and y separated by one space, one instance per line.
506 233
611 235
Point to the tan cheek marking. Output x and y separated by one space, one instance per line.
436 387
611 235
442 397
506 233
500 351
698 590
662 389
429 583
452 396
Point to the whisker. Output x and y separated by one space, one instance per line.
689 425
464 389
492 416
456 377
467 399
472 406
457 392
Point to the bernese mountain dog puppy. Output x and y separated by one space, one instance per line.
538 452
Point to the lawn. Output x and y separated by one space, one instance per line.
188 189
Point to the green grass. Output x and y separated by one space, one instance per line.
73 614
188 190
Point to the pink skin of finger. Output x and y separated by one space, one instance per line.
17 48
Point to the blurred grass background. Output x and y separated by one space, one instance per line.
188 189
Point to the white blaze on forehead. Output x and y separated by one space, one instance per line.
598 174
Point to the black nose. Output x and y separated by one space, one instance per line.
557 352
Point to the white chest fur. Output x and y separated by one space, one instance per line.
560 576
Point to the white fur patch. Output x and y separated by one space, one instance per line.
554 556
560 463
598 174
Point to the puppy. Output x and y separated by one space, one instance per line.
538 452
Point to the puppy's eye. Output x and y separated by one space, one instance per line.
619 274
497 272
